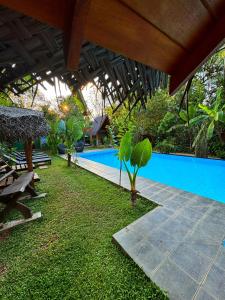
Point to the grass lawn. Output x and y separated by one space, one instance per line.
69 253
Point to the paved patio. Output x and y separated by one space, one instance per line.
178 244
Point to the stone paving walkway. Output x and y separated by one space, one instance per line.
178 244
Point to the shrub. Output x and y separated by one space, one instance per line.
165 147
220 153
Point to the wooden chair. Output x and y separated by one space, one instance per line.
10 197
8 174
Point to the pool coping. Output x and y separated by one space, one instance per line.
157 152
159 242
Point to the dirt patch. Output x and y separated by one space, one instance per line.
51 240
4 235
3 270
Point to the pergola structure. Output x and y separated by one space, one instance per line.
128 45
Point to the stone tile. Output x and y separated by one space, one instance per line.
202 198
203 295
217 215
177 227
215 283
162 196
172 279
151 189
205 249
174 190
193 213
163 241
151 221
187 194
179 198
220 259
143 183
191 262
196 237
181 218
219 205
147 256
161 185
127 238
209 230
200 201
175 205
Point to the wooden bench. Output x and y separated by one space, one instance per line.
10 196
8 174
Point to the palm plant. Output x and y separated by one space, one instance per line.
138 157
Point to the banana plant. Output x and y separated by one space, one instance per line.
137 156
209 117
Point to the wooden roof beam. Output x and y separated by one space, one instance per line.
52 12
189 64
74 34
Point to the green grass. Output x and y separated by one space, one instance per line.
69 253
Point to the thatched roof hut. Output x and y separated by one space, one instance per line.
99 128
24 125
21 124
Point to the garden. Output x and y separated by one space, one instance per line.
112 150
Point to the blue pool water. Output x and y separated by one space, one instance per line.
205 177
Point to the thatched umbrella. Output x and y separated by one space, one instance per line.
19 124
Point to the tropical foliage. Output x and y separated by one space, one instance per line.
54 137
194 126
73 132
65 131
134 156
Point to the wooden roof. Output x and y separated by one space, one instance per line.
174 36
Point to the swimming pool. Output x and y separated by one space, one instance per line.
204 177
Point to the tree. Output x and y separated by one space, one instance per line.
121 121
138 156
72 104
54 137
147 121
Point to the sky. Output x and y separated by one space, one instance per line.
50 93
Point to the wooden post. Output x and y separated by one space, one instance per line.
28 152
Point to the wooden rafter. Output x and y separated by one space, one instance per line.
75 37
